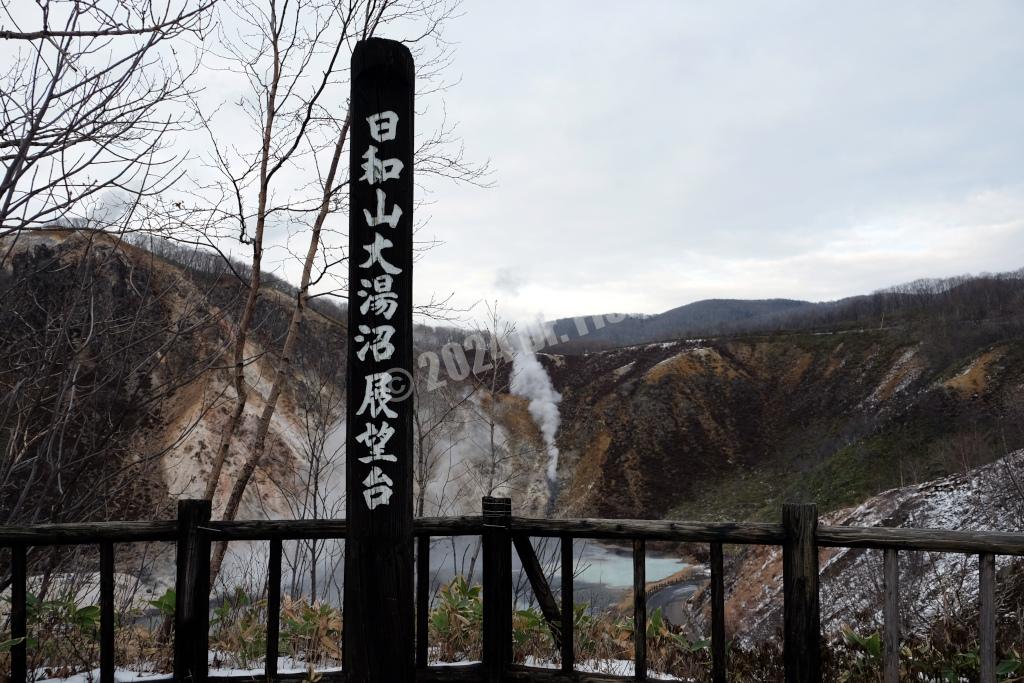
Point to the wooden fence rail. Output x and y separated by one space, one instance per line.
800 536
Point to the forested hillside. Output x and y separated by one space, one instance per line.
117 384
117 388
732 426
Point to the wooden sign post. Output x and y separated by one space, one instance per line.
379 631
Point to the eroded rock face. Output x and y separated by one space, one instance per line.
731 428
721 428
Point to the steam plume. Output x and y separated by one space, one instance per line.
530 380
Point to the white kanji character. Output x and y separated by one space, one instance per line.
377 395
383 125
376 439
377 476
391 219
377 495
378 488
382 301
376 170
380 345
376 254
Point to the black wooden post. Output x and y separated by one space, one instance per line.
107 612
379 641
497 514
987 624
422 601
568 608
192 593
717 614
274 608
640 610
19 613
891 610
801 612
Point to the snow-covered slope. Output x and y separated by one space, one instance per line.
932 585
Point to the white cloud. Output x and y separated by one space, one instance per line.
650 155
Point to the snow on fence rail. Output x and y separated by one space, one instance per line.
799 535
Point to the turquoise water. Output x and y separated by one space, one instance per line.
603 572
612 566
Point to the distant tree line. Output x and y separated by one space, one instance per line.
991 304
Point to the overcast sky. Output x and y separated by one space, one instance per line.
650 154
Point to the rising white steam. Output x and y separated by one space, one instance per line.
531 381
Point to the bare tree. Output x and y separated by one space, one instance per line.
320 488
294 57
99 340
91 94
437 421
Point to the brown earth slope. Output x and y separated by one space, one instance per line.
732 427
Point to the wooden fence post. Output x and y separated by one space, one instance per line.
107 630
801 611
891 610
717 614
640 609
19 613
987 625
274 560
568 607
497 571
422 601
192 593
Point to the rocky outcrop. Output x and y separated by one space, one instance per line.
730 428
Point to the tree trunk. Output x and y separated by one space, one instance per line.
283 368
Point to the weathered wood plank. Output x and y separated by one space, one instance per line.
88 533
718 661
640 610
539 583
987 627
273 608
931 540
652 530
422 600
891 572
323 677
469 525
455 672
295 529
497 575
281 529
107 612
568 608
801 612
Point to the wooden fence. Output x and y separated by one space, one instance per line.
799 535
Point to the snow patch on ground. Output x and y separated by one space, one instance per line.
619 372
699 352
616 667
613 667
285 665
901 375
